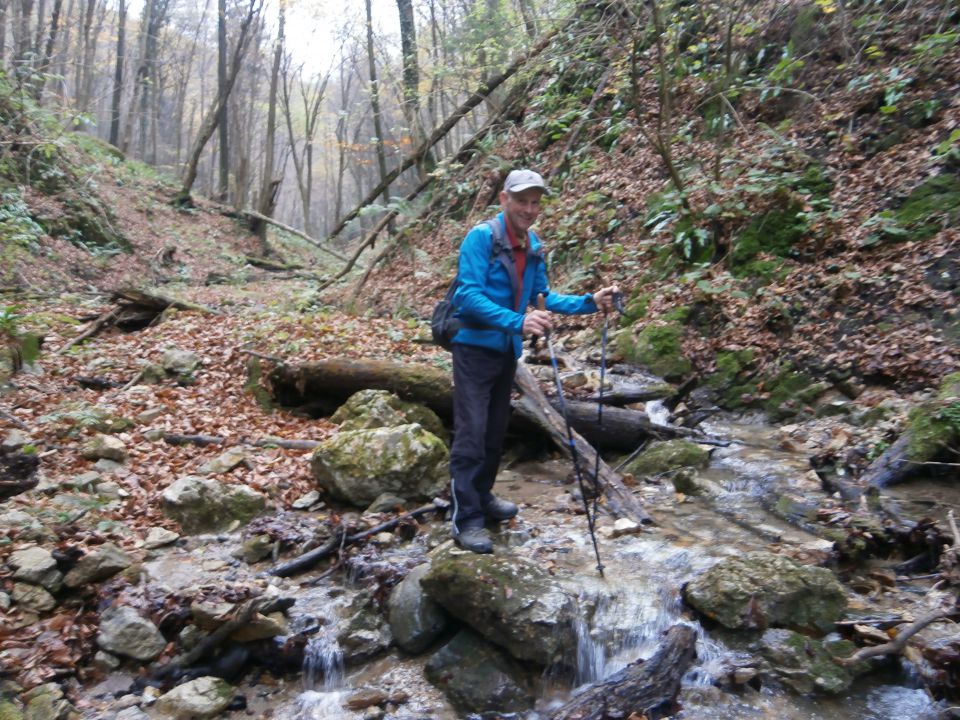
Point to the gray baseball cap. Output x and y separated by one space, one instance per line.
520 180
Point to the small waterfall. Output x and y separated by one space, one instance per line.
323 663
657 412
323 680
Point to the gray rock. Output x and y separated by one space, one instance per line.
111 489
205 697
305 502
387 502
149 415
105 661
100 563
509 600
104 447
180 363
369 409
132 713
255 549
5 601
159 537
366 633
36 565
124 632
206 505
760 590
32 597
232 458
106 466
15 439
85 480
806 664
360 465
415 619
478 677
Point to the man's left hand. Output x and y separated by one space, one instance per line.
603 299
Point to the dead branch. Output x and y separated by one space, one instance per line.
97 325
475 98
293 231
340 539
896 646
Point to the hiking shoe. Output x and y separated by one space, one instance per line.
499 509
473 539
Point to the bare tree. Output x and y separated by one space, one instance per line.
375 105
222 124
209 123
118 73
268 184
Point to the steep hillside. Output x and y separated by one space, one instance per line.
775 187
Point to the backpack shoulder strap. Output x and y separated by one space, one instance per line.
502 251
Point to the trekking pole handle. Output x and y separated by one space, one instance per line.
541 302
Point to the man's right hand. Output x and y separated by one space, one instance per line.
537 322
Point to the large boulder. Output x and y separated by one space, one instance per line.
100 563
37 566
124 632
761 590
380 408
668 455
477 677
205 697
357 466
205 505
807 664
366 633
415 619
510 601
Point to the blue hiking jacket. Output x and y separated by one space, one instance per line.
485 297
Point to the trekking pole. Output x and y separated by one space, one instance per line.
618 306
541 305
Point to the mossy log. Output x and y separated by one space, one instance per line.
298 385
645 688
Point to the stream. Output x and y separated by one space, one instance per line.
641 598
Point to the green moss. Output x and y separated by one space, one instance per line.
260 394
656 347
677 315
949 387
670 455
775 233
790 391
636 309
732 377
932 204
931 430
9 711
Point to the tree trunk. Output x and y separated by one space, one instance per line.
375 107
411 82
643 689
477 97
209 123
118 74
48 49
223 182
268 186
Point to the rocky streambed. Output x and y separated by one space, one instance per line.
780 582
515 632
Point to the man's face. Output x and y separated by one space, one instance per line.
521 208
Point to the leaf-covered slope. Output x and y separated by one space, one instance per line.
780 178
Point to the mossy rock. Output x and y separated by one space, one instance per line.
789 392
636 309
656 347
935 426
933 204
662 457
732 378
87 223
775 232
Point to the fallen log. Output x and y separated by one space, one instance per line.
295 385
643 689
535 407
623 429
340 540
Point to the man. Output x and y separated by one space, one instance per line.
496 295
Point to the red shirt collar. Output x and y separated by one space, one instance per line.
511 237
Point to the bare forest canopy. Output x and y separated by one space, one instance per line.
295 110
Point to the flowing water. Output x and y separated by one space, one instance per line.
624 614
